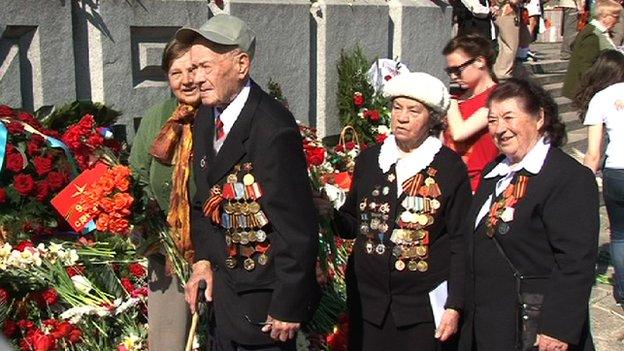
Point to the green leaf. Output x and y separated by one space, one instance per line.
62 117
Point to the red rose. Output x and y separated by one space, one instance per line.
372 115
127 284
50 296
24 184
137 270
315 156
74 336
140 292
63 330
25 324
4 296
9 328
6 111
57 180
43 190
23 245
349 145
43 342
358 99
15 162
379 139
75 270
35 144
15 128
43 164
3 196
29 119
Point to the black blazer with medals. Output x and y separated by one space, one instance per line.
375 286
554 233
266 135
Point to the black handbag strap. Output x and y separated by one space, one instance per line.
517 274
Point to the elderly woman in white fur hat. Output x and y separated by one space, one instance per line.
408 198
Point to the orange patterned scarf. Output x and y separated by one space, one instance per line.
173 146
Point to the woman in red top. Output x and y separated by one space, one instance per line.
469 63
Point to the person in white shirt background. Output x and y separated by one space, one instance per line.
600 98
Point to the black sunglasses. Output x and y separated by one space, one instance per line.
457 70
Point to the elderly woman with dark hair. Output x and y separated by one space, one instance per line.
160 154
533 233
405 208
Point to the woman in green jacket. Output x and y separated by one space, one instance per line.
160 154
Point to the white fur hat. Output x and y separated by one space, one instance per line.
419 86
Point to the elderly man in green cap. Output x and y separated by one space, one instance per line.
253 222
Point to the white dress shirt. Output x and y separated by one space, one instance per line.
230 114
532 163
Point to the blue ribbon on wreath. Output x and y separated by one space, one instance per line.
4 136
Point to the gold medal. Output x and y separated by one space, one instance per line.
421 250
249 264
429 219
435 204
420 234
412 265
399 265
254 207
236 238
230 262
248 179
422 266
422 219
244 208
244 238
263 259
228 208
232 178
253 237
429 181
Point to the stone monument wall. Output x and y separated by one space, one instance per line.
55 51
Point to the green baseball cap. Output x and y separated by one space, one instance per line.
222 29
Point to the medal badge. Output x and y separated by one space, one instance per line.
503 209
420 205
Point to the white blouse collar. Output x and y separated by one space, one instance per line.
419 158
532 162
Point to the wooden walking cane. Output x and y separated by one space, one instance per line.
201 298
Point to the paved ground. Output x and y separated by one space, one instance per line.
607 319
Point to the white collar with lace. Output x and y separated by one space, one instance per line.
408 163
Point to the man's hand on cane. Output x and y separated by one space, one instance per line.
201 271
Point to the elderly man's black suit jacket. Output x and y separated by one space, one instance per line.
266 135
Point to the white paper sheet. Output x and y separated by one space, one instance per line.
437 298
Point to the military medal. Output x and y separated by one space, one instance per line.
413 265
503 228
261 235
263 259
369 247
422 266
230 262
249 264
380 249
399 265
202 162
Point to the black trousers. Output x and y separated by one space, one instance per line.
366 336
223 344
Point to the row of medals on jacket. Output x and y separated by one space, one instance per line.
411 238
243 219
